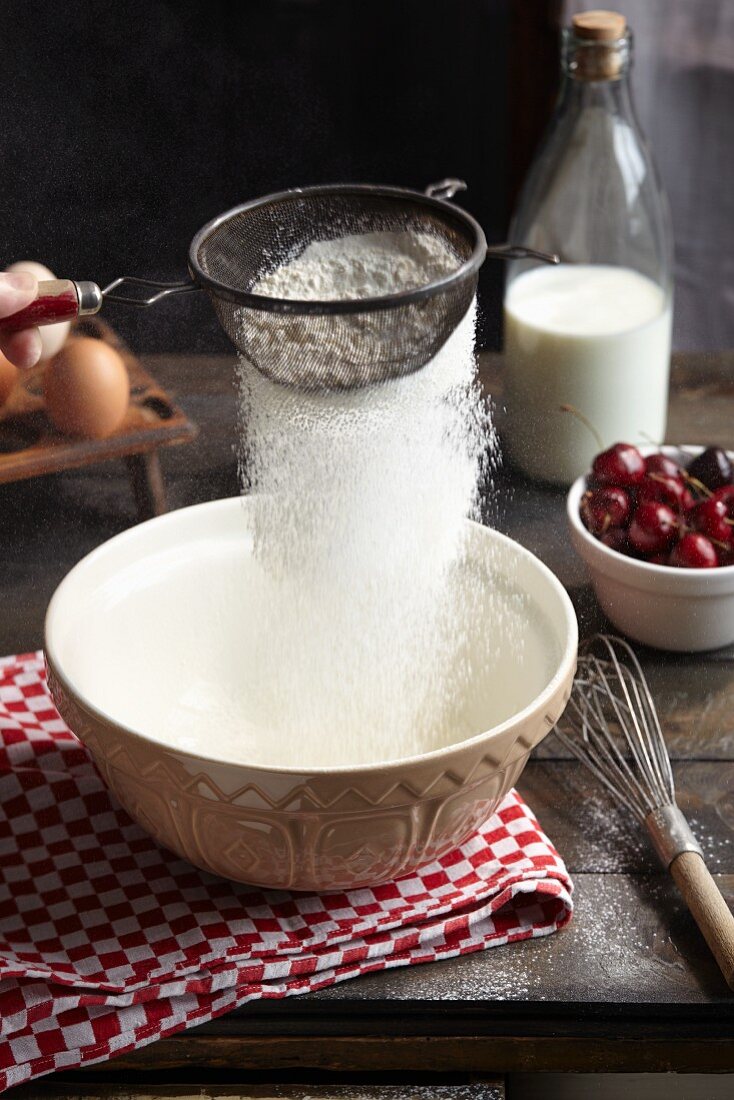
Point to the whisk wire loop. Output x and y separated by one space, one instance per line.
612 726
593 745
627 712
649 715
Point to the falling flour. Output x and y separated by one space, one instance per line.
360 504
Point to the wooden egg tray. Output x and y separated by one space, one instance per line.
30 446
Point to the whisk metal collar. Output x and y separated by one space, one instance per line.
670 834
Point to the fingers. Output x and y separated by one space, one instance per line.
17 290
22 348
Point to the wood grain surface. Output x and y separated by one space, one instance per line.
630 984
490 1088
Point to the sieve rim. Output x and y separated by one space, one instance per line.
467 270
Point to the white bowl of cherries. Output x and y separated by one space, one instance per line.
655 526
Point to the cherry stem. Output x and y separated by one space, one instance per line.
686 530
658 477
698 485
586 422
653 442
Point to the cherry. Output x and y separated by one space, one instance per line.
659 463
712 467
604 508
616 539
694 551
621 465
672 491
660 558
653 527
726 495
709 518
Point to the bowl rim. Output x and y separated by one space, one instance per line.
565 668
630 564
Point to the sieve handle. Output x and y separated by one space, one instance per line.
520 252
160 290
445 189
63 300
56 300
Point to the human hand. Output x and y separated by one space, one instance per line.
17 290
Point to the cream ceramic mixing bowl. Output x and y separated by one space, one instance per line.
151 623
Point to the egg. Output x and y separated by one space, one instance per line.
87 389
8 378
53 337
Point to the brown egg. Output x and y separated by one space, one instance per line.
87 388
8 378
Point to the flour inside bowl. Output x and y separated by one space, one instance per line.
360 499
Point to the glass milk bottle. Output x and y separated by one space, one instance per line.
592 332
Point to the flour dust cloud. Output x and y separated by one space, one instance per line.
360 501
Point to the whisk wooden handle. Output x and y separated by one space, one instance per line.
710 911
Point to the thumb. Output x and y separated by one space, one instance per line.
17 290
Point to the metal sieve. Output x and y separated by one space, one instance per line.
312 345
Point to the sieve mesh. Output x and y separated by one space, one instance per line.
338 344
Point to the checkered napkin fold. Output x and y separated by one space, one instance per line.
108 942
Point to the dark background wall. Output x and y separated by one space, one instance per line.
126 125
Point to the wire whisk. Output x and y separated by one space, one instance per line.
611 725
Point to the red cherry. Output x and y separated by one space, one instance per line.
657 559
672 491
653 527
726 495
616 539
659 463
709 518
694 551
604 508
621 465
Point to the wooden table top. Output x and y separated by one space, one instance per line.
630 984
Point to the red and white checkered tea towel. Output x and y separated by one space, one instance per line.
108 942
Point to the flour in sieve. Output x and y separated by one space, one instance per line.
359 526
369 265
360 265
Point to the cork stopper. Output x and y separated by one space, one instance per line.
601 50
599 26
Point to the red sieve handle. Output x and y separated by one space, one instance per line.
57 300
